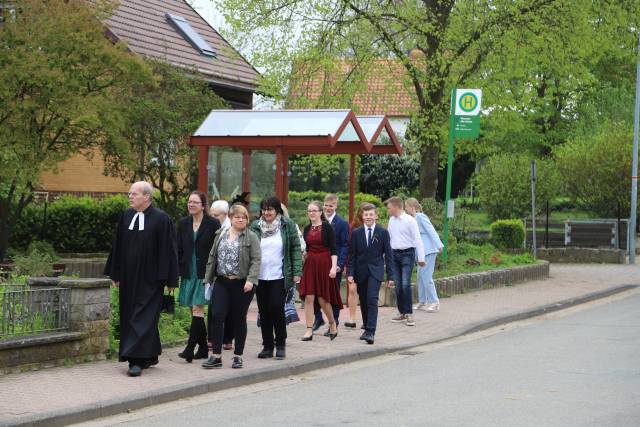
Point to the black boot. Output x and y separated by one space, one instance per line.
203 350
187 353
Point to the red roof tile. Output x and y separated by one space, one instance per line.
143 26
382 90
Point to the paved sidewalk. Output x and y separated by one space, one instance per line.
60 396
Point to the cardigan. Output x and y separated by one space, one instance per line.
328 236
204 241
250 257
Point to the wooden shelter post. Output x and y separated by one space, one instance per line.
352 186
203 170
279 170
246 171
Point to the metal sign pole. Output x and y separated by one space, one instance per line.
631 229
534 177
445 240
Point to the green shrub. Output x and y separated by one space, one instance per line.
44 248
35 264
504 183
298 201
507 233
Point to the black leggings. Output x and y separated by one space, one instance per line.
271 296
229 296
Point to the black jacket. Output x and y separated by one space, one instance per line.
328 236
204 242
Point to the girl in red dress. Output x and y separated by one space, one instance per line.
319 271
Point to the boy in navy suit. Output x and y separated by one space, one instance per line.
369 253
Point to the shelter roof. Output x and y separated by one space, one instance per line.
380 134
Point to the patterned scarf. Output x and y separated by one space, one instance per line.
267 229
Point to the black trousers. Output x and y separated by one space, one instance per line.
271 296
368 292
229 296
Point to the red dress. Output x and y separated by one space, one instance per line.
315 273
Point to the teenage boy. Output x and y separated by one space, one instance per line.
369 253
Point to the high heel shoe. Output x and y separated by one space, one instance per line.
330 335
310 337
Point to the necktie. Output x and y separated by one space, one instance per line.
369 237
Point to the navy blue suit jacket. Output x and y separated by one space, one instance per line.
341 230
370 261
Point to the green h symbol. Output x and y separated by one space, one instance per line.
468 102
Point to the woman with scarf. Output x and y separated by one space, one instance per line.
280 270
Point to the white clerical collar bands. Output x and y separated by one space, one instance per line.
140 216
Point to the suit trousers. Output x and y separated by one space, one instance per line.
368 292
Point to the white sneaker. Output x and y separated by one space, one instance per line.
419 306
409 320
432 308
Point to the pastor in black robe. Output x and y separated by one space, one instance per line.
144 262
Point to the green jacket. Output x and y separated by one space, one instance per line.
292 261
249 257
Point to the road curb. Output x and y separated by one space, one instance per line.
195 388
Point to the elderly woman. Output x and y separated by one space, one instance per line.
233 268
195 238
427 295
220 211
280 270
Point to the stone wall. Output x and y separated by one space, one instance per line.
86 340
583 255
463 283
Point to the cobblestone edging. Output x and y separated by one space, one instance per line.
467 282
571 255
86 340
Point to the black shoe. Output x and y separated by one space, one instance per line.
368 337
202 352
237 362
203 348
213 363
327 333
266 353
333 336
187 353
134 371
310 337
280 353
317 323
364 335
350 324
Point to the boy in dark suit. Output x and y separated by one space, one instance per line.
369 252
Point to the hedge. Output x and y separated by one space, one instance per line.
84 224
507 233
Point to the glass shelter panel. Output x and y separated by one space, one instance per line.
225 173
272 123
263 177
370 125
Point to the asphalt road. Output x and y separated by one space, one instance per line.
577 368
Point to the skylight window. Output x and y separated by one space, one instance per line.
191 35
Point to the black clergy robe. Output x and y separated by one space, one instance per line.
144 262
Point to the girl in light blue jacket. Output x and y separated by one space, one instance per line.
427 295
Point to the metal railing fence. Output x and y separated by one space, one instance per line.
26 311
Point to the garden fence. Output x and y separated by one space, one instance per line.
27 311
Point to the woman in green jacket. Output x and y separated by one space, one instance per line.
232 269
280 270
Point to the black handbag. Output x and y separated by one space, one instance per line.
168 303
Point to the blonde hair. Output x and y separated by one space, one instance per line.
414 203
239 209
394 201
331 197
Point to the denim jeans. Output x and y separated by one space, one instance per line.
403 265
426 287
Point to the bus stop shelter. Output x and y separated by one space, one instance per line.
252 147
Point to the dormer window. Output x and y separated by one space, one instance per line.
191 35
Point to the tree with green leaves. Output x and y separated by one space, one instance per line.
60 93
159 118
534 55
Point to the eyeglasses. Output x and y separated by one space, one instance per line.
193 203
313 211
268 210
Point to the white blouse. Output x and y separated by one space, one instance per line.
272 257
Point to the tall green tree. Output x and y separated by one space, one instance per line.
159 118
532 52
60 92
